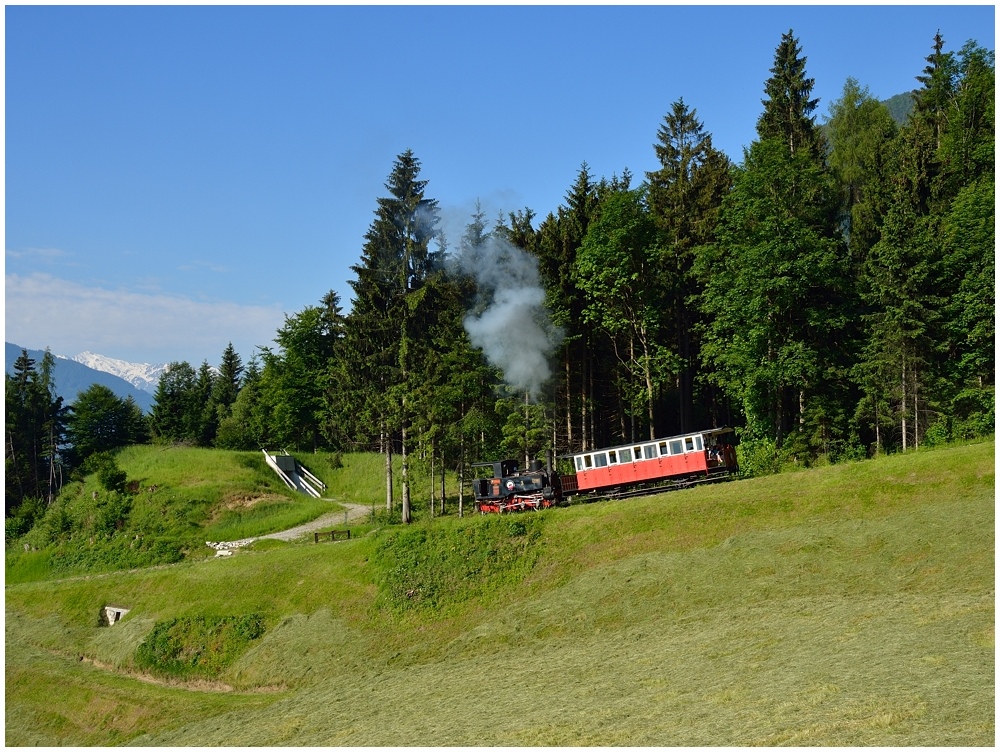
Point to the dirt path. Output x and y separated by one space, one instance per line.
325 522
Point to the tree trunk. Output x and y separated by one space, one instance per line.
648 371
780 417
405 462
387 447
431 506
584 396
569 402
878 431
902 404
443 466
461 469
527 424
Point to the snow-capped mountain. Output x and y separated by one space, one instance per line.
143 376
70 378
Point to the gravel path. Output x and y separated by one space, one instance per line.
327 521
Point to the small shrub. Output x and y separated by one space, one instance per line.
23 519
112 513
197 646
109 475
758 457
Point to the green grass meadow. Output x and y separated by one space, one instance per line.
845 605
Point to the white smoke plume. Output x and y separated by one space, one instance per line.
511 324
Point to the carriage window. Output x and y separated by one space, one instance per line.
663 449
649 451
589 460
600 460
614 459
688 444
676 447
579 463
697 443
637 453
626 455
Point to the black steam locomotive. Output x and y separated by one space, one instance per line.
510 489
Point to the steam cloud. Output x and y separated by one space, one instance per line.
513 329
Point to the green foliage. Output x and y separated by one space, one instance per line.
787 116
104 467
118 552
34 427
775 297
100 422
23 518
197 646
434 567
758 457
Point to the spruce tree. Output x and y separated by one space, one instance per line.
34 431
788 108
559 239
396 259
776 298
685 198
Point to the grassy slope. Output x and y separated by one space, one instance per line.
846 605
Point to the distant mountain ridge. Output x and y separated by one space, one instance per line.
142 376
900 107
72 377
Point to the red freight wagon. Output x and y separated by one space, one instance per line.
693 455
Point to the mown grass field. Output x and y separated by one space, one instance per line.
844 605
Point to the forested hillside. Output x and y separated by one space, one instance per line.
832 296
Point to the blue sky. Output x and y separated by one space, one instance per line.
181 177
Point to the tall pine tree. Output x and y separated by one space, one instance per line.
396 259
685 198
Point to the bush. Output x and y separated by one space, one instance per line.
103 465
116 553
23 519
112 513
197 646
758 457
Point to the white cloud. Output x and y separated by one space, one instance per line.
44 255
67 317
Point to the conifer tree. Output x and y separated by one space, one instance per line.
685 197
788 109
559 239
396 259
34 432
776 285
227 385
176 414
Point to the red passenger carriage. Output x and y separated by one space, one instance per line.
700 455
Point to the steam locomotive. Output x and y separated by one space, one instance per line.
639 468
